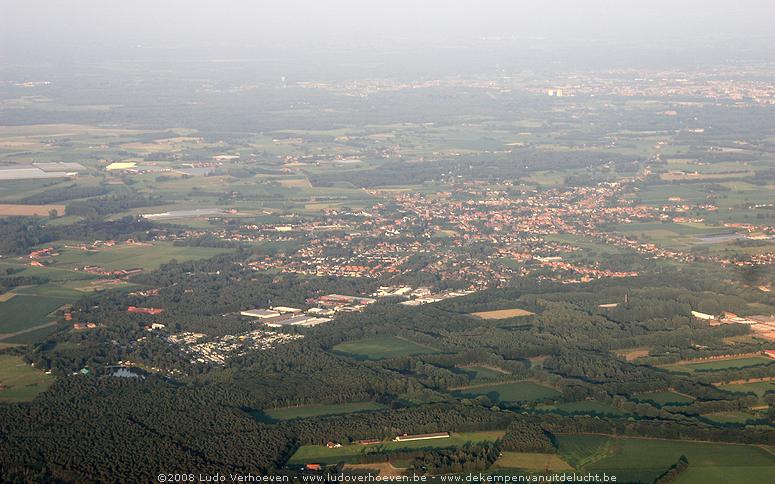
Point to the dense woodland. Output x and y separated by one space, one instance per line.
211 417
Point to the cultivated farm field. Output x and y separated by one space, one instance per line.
520 391
19 382
382 347
502 314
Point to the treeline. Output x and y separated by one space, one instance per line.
471 457
524 435
8 283
19 234
101 206
674 472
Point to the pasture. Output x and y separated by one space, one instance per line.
289 413
30 336
381 347
759 388
520 391
664 398
735 417
124 256
19 382
481 374
531 461
25 311
669 234
585 407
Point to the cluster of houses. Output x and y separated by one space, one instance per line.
218 350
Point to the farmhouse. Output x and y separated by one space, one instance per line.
408 438
47 252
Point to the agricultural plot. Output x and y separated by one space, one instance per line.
520 391
502 314
381 348
642 460
27 210
669 234
131 256
687 367
289 413
586 407
19 382
759 388
664 398
632 354
25 311
30 336
530 461
480 374
731 417
348 453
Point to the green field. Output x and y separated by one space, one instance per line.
586 407
22 382
381 347
480 374
669 234
759 388
26 311
719 364
323 455
531 462
289 413
521 391
731 417
131 256
664 398
29 337
633 460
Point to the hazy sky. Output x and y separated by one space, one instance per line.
311 20
42 30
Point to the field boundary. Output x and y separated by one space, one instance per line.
763 379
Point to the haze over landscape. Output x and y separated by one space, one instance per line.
339 240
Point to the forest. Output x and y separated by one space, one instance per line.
568 344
